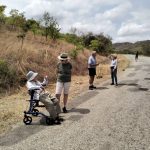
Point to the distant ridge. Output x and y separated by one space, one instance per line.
130 48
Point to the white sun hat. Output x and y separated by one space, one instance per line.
31 75
63 56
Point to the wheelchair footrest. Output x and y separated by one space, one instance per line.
40 106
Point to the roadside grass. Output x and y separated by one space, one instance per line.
13 106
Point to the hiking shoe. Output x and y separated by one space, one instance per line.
57 122
94 87
60 119
91 87
65 110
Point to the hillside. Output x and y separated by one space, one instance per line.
142 46
38 55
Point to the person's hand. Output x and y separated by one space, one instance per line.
43 89
45 80
46 77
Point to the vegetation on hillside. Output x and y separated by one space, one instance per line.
143 47
29 44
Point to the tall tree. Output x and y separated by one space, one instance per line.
32 25
2 15
50 25
16 19
101 43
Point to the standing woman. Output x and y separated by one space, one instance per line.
64 68
113 68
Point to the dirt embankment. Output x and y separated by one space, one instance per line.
39 55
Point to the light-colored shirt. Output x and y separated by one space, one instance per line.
92 62
114 63
37 86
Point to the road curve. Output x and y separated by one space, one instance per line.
108 118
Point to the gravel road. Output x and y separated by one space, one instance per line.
108 118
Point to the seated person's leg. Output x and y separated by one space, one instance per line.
56 104
45 99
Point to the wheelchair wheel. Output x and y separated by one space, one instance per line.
49 121
36 112
27 120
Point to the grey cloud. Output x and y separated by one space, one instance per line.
120 19
133 29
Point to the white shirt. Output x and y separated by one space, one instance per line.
91 62
114 63
37 86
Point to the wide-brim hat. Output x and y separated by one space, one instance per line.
93 52
31 75
114 55
63 56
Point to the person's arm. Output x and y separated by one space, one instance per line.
115 65
94 64
70 65
45 81
57 68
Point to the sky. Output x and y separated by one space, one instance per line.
123 20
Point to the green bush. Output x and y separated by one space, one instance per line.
80 47
74 53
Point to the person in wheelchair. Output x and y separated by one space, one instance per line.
51 103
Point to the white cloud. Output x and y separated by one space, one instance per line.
132 39
141 15
133 29
118 11
123 20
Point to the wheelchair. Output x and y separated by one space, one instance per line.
33 111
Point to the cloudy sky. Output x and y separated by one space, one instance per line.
123 20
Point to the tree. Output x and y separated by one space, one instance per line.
2 15
54 31
88 38
102 44
50 25
105 43
21 37
95 44
32 25
16 19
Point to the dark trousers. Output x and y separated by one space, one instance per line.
114 75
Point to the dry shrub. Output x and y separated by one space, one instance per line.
40 55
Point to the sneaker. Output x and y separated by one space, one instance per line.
91 87
60 119
94 87
65 110
112 84
57 122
